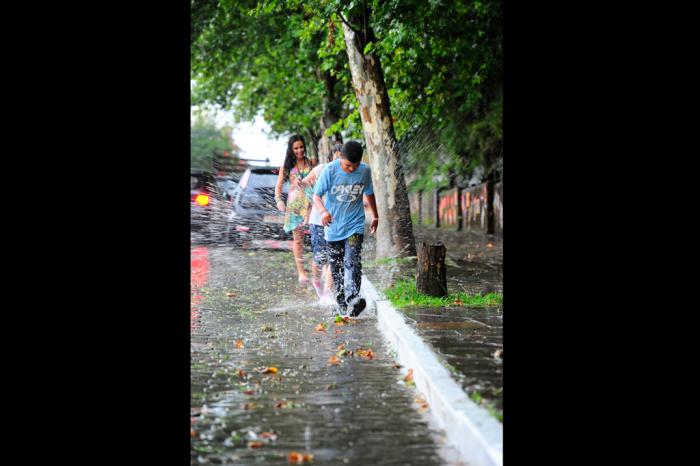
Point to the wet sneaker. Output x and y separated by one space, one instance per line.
359 306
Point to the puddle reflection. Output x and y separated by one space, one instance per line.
199 276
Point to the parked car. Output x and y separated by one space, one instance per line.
209 208
226 185
253 213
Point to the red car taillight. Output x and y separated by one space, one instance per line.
201 199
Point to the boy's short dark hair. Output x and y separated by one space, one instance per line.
352 151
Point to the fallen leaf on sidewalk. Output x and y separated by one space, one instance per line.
341 320
321 328
232 294
298 458
242 374
367 354
249 406
459 302
255 444
335 360
193 433
239 344
268 328
268 370
338 331
423 405
409 379
271 436
284 404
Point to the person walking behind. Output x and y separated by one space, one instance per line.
320 265
295 168
345 182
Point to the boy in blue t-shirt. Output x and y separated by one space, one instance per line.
345 181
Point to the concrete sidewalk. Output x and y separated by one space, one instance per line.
274 375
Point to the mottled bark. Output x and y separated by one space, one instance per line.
329 118
431 272
395 232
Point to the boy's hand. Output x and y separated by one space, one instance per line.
373 225
280 206
326 218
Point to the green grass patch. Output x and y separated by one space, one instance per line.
490 407
403 293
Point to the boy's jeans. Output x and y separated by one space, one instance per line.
346 261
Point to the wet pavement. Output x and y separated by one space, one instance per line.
469 339
268 380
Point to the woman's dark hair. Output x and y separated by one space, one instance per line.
290 159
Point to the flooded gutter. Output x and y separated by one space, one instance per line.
469 428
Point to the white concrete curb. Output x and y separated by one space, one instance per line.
469 428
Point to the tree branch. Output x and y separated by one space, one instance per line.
346 23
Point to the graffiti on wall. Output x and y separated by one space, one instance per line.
498 207
448 209
474 208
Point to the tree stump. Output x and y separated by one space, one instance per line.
431 274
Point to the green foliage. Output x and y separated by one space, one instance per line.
441 61
275 58
403 293
206 140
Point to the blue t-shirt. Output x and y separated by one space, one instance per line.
344 199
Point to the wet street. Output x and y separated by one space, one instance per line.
273 375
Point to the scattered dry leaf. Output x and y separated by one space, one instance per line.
367 354
337 331
249 406
423 405
409 376
298 458
242 374
321 327
232 294
335 360
458 302
268 370
267 328
255 444
239 344
249 392
193 433
498 354
271 436
283 404
341 347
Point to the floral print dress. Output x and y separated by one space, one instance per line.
298 200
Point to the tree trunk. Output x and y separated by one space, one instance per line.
431 273
395 232
329 118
